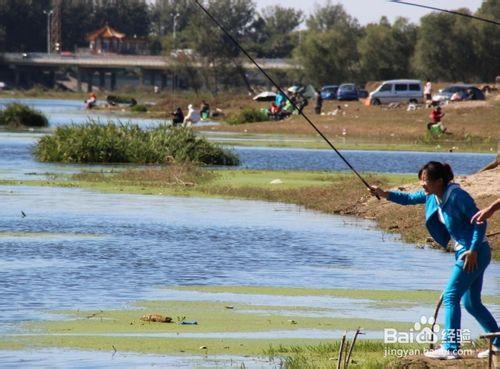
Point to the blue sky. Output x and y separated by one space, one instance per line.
371 10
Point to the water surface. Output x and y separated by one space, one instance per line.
62 112
142 243
17 162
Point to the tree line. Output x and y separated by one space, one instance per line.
329 43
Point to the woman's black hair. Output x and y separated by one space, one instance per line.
436 170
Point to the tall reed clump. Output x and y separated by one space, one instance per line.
123 143
18 115
247 115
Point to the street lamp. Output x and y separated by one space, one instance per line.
174 16
49 14
174 48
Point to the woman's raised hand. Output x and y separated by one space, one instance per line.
375 191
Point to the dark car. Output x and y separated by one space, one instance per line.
329 92
467 92
347 91
363 94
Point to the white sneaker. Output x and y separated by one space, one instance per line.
486 353
442 354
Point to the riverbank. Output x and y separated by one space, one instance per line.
475 125
331 193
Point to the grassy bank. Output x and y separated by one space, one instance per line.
473 127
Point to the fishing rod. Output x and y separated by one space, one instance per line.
282 92
447 11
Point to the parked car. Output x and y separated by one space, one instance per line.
347 91
398 90
362 93
447 92
329 92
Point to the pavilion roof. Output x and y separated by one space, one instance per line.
105 32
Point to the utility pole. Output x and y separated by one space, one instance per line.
175 16
55 27
48 13
174 54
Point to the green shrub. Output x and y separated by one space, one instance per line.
139 108
247 115
112 143
117 99
21 115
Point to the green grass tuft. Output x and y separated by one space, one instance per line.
121 143
17 115
247 115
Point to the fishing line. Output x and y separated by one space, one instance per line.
447 11
281 91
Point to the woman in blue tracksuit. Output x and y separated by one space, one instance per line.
448 214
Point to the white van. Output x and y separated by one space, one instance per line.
398 90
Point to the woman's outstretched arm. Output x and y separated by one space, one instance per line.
402 198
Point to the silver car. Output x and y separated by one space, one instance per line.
398 90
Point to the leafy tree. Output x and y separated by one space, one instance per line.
385 50
162 16
24 24
128 16
273 31
488 41
330 56
328 51
445 47
329 16
212 44
77 20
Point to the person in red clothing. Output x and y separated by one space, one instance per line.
436 115
436 126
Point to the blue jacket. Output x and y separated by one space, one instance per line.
457 208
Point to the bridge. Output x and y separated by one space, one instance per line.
86 66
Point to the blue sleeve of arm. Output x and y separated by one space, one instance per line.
404 198
468 208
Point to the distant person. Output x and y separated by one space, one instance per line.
302 102
337 111
428 91
192 117
435 126
470 95
288 108
274 111
204 110
280 99
457 96
319 103
177 117
91 101
486 213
